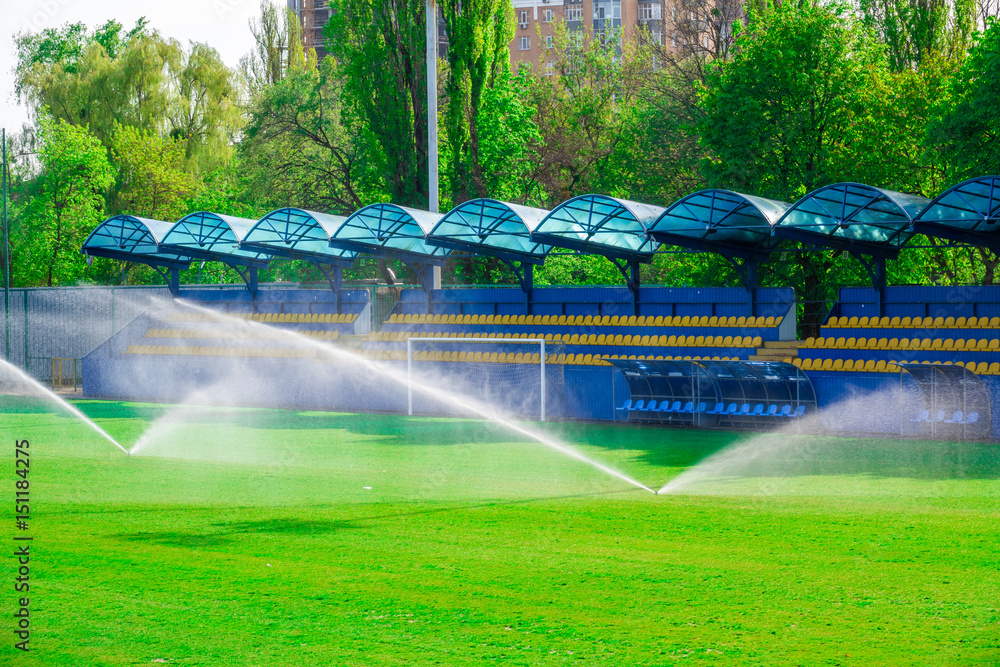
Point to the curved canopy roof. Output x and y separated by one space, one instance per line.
504 229
390 230
214 237
853 216
967 212
128 238
299 234
720 221
601 225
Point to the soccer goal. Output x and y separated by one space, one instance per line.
520 376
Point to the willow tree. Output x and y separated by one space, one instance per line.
381 47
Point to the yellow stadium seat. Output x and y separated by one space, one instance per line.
947 323
699 341
982 344
862 321
938 323
619 340
837 365
602 339
959 344
629 321
833 321
936 343
643 341
982 368
614 320
713 321
851 322
994 368
848 365
894 322
741 321
851 343
904 323
961 322
869 366
971 365
881 344
657 321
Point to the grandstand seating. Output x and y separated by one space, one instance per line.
586 338
861 344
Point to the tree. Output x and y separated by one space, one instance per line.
966 133
66 204
915 30
380 45
478 56
151 180
301 148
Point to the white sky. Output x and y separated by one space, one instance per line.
220 23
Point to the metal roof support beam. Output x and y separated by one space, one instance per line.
172 277
335 276
747 270
630 270
526 277
875 266
428 278
249 276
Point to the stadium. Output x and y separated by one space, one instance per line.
309 475
708 357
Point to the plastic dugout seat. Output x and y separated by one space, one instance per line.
799 411
717 410
972 418
772 411
786 411
758 410
957 417
687 409
745 410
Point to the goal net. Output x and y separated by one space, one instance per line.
516 377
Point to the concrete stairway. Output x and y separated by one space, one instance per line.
777 350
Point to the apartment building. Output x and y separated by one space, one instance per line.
313 16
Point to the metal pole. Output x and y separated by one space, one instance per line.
409 377
543 380
432 124
6 249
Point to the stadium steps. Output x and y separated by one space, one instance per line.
777 350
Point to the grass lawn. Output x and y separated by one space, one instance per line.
268 537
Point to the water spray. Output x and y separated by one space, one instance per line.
463 403
52 396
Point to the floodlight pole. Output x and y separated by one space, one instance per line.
542 397
432 129
6 250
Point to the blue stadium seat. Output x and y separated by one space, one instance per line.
688 408
786 411
701 407
922 416
972 418
758 410
626 406
799 411
957 418
745 410
676 407
717 410
772 411
731 410
650 407
940 416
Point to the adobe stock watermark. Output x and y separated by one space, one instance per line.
44 15
223 8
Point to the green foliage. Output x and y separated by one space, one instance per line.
914 31
66 203
380 45
966 129
301 148
151 181
508 139
478 35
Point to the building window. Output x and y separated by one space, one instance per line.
657 37
550 69
548 41
574 13
525 44
522 20
673 40
548 15
649 11
673 14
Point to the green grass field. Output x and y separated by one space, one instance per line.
267 537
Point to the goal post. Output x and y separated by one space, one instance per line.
499 354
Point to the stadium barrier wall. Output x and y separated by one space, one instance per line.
920 301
